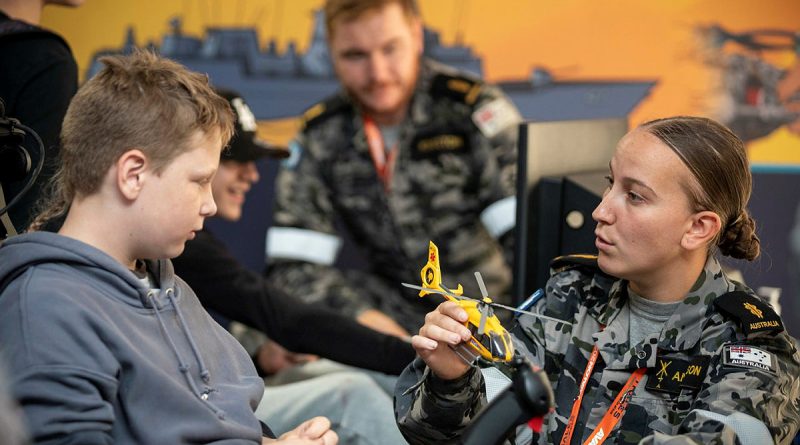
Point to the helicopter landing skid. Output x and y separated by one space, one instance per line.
465 353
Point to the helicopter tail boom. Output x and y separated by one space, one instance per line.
431 274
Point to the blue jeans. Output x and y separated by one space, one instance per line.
360 411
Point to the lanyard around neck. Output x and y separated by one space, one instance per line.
383 165
614 413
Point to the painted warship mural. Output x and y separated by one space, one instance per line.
755 97
283 84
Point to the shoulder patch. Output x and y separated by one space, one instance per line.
322 110
752 314
567 262
459 88
495 116
743 356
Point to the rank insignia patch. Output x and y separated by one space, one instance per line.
753 314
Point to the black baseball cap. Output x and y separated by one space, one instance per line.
245 145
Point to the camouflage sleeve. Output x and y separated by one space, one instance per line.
499 175
430 410
742 405
529 335
502 142
302 243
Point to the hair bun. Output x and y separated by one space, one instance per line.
739 239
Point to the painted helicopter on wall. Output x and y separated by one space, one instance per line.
754 94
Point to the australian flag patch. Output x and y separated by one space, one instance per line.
744 356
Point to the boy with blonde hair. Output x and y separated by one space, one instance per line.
105 344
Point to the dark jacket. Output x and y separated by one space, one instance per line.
227 287
38 77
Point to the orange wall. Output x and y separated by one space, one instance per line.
573 38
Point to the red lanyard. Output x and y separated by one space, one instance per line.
383 166
614 413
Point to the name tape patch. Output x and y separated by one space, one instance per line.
432 143
671 375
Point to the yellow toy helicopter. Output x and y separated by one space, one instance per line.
490 339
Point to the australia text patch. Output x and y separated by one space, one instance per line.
748 357
753 314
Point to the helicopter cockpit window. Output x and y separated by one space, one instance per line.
494 343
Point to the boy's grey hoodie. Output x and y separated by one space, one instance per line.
94 357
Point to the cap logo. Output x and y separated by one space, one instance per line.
246 118
754 310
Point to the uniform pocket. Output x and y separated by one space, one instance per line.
665 411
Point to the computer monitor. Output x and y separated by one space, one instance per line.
560 180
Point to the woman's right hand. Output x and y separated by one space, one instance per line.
443 328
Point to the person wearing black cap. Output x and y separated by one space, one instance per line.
225 286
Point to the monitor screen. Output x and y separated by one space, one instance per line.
560 179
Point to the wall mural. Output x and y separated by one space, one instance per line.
753 97
567 59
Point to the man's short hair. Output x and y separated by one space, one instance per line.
136 101
337 11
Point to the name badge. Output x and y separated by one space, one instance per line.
671 375
434 144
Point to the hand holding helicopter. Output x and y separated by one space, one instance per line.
489 340
529 397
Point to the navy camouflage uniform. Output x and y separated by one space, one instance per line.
453 183
697 389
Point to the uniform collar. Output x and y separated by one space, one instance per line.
681 332
683 329
422 103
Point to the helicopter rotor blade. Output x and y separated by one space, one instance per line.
509 308
482 285
533 314
484 311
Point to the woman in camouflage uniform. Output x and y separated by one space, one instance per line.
659 346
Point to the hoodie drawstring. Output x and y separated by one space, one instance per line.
183 366
204 373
